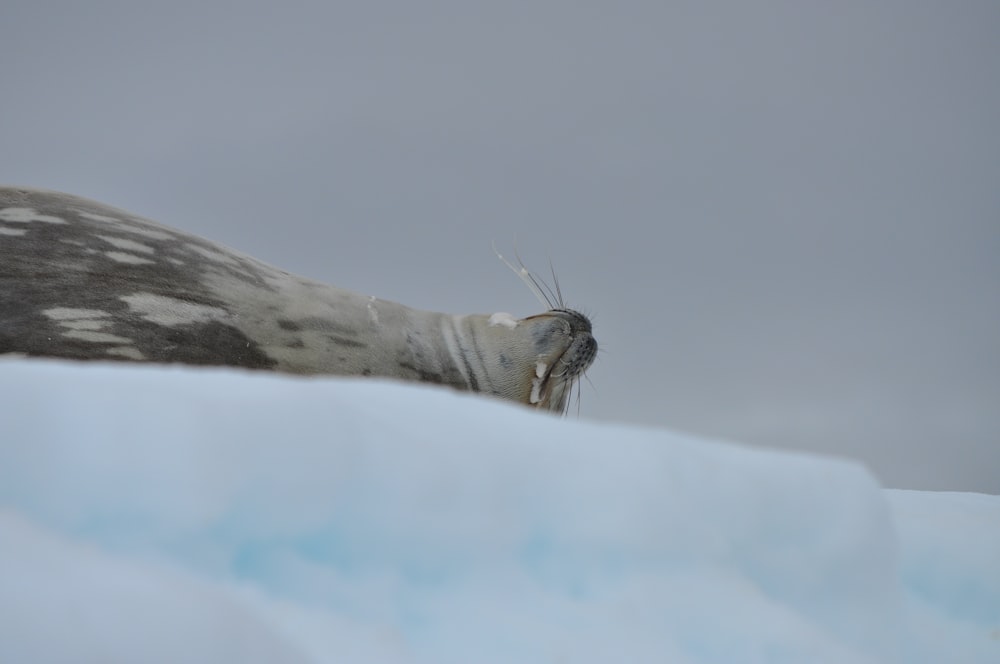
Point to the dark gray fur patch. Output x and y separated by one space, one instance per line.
350 343
423 375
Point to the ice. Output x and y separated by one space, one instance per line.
203 515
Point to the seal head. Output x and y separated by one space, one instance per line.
566 348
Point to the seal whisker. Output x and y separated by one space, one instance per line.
552 298
543 292
555 280
524 275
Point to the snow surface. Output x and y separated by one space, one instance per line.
165 514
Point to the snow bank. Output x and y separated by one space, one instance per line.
168 514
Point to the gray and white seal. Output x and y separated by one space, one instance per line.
82 280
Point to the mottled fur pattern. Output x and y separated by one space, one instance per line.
85 281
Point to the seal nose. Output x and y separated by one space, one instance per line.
580 355
583 348
574 331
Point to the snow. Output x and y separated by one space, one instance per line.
175 514
504 319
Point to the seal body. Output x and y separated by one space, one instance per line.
82 280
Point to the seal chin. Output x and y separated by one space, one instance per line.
566 348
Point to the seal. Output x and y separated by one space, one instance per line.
82 280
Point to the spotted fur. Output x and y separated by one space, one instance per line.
85 281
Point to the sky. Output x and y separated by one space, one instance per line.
783 218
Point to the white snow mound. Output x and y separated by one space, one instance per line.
175 514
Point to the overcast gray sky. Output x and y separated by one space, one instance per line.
783 217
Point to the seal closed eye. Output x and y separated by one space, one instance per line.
82 280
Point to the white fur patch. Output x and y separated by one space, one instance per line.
536 390
21 215
126 351
12 231
148 232
170 311
85 325
131 259
536 382
68 313
127 245
503 319
96 337
125 227
213 255
98 217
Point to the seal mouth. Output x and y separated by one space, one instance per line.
554 379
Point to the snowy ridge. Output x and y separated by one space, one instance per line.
169 514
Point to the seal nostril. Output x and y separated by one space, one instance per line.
580 355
